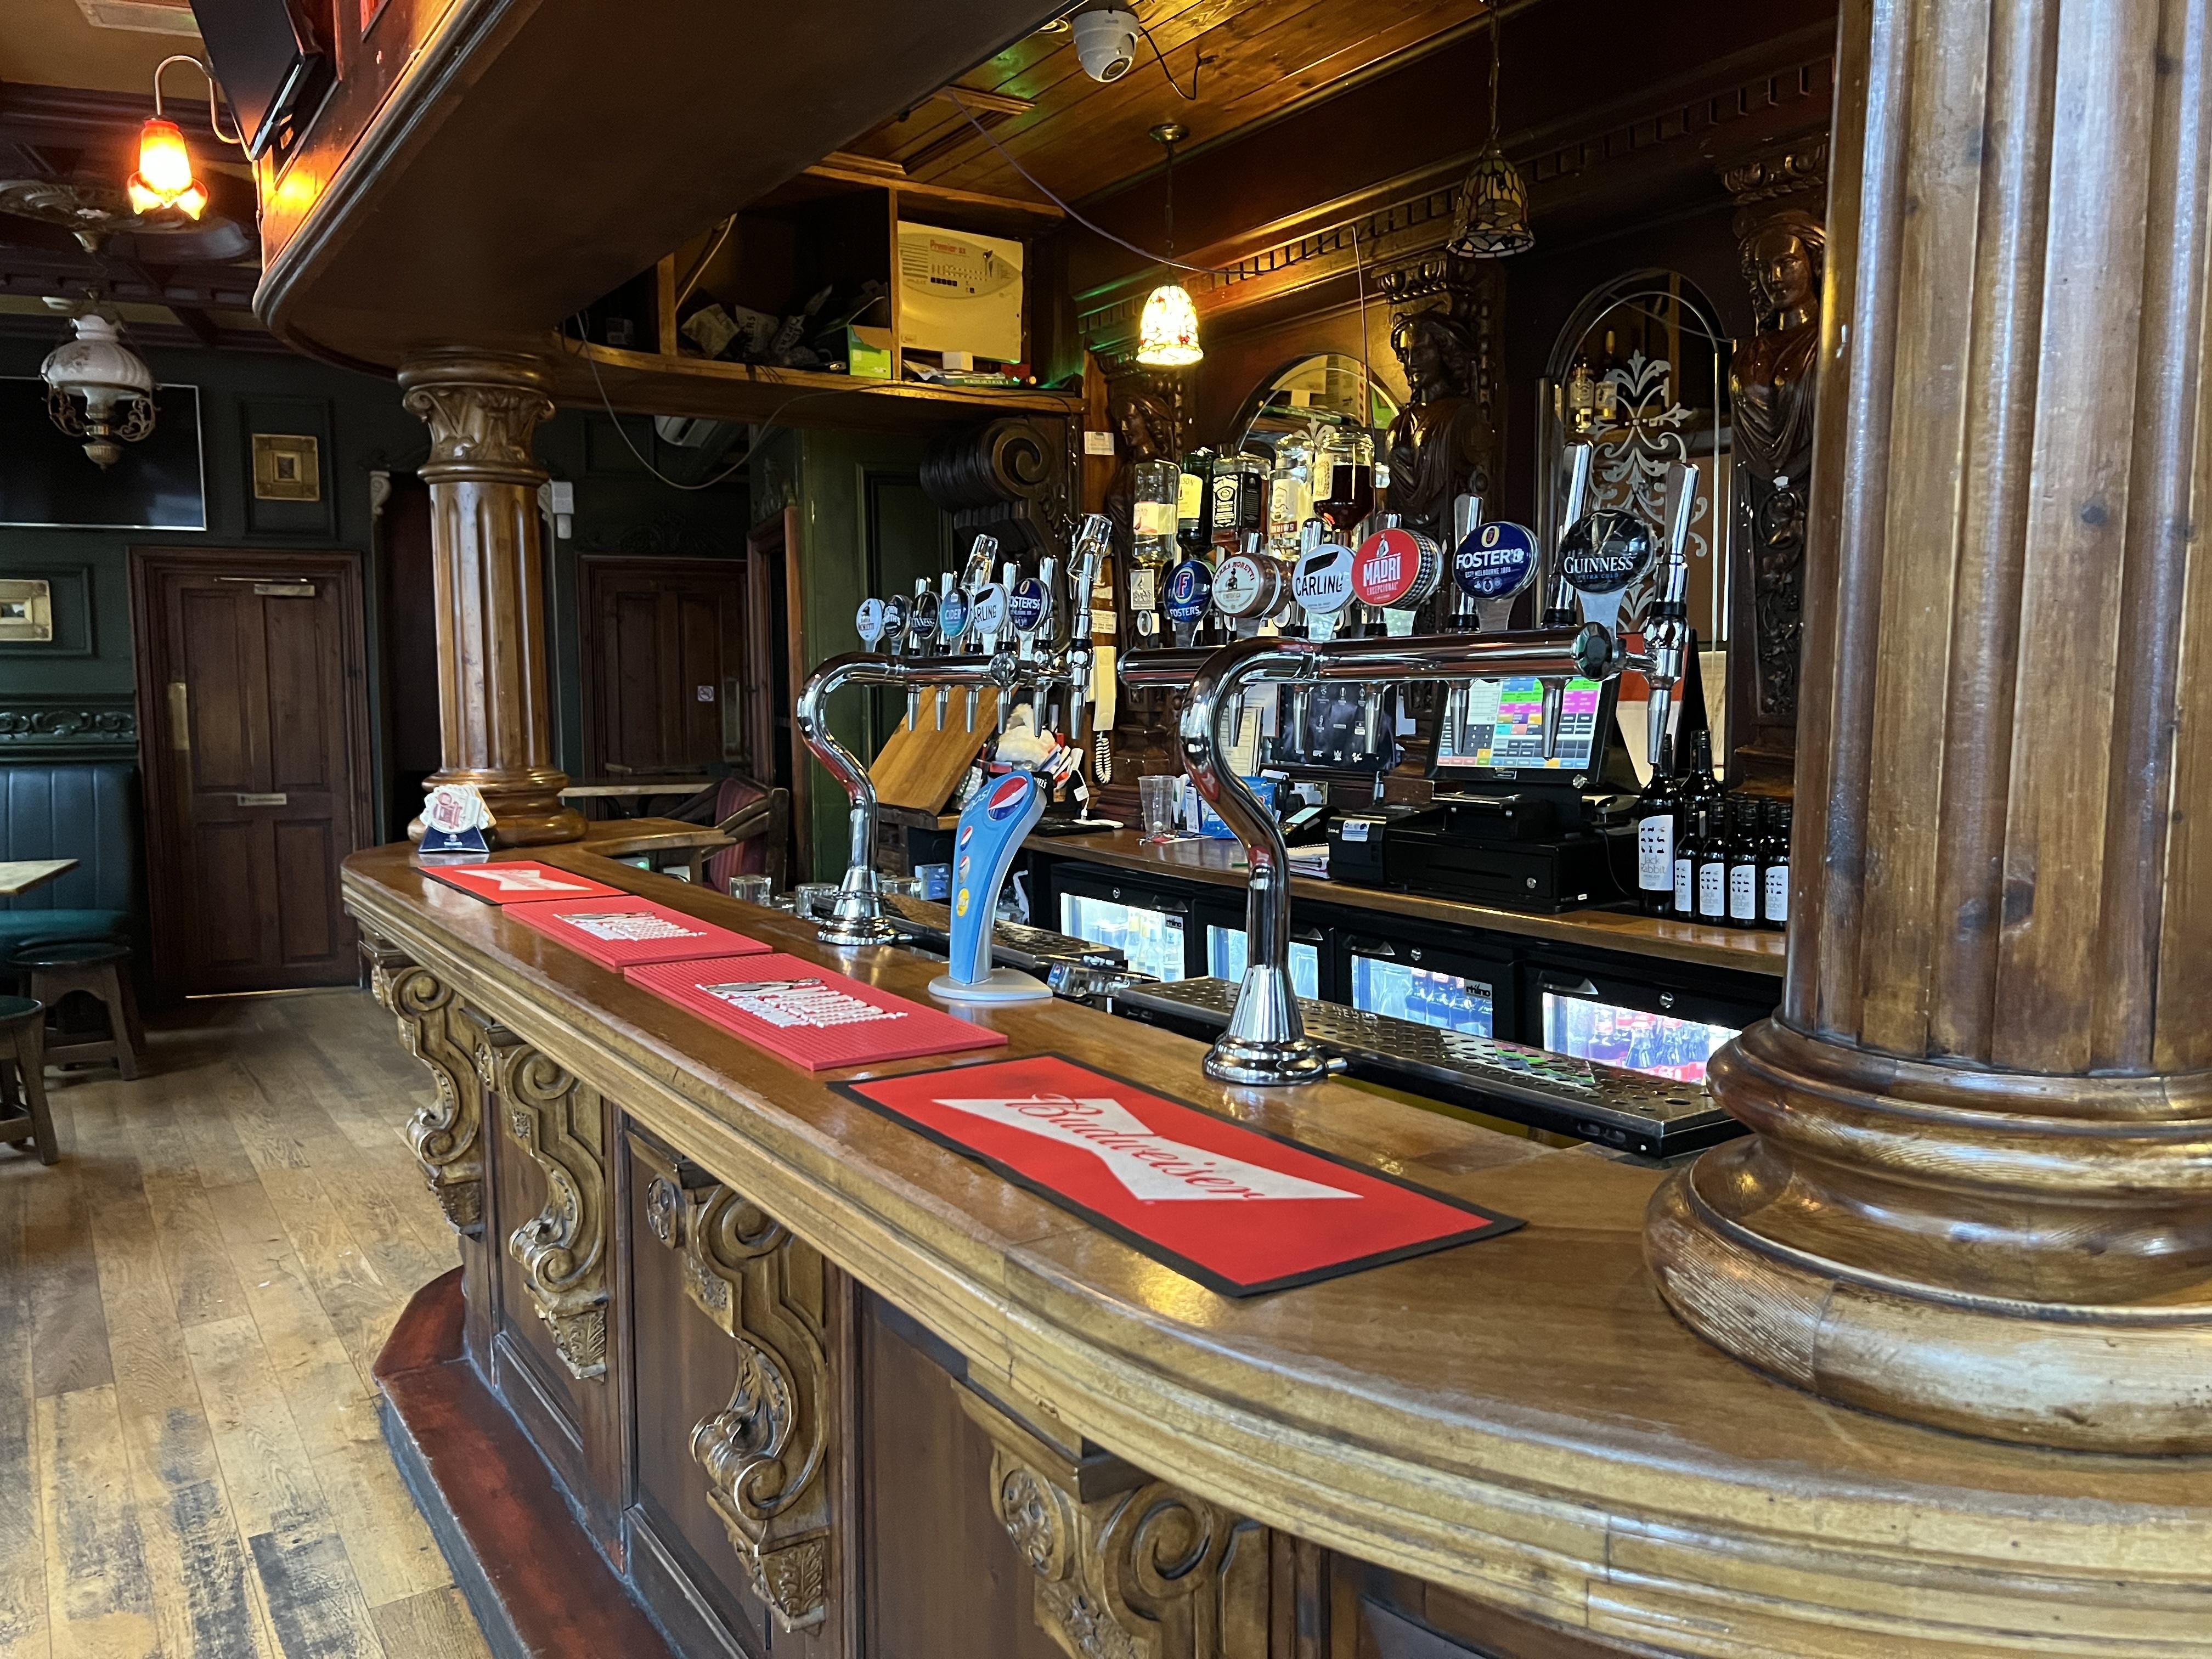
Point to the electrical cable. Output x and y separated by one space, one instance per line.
706 259
1190 97
953 92
734 467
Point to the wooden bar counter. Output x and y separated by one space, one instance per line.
813 1384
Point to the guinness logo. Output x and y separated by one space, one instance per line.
1605 551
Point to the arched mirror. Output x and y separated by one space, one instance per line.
1640 373
1324 387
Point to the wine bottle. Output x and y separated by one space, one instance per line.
1712 866
1746 849
1658 823
1687 848
1774 904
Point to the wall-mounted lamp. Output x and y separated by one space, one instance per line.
166 180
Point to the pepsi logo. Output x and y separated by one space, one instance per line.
1007 798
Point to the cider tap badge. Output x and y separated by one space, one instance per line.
1396 569
1605 551
1190 590
953 613
1495 560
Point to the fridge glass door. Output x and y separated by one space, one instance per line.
1454 1002
1224 959
1153 941
1591 1028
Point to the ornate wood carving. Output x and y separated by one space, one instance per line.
495 709
446 1134
1007 478
765 1453
1976 1194
1127 1567
558 1121
1451 437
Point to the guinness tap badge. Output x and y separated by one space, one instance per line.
1605 551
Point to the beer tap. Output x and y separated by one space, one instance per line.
953 613
1467 519
857 916
1560 613
921 642
1666 634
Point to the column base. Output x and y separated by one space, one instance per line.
2018 1257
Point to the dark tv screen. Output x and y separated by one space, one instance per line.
47 481
259 57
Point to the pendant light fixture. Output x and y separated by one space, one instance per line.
100 390
1167 334
166 181
1492 221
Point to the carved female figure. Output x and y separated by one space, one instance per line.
1438 443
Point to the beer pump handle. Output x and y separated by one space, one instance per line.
1667 635
1562 612
1467 519
976 573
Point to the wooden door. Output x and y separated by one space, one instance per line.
253 728
665 668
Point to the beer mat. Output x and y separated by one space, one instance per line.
1241 1210
624 931
810 1016
515 882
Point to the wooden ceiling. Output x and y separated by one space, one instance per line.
1254 59
107 46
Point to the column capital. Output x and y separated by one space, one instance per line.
482 409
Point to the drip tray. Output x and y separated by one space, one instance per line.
1652 1116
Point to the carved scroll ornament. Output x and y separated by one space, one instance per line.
482 410
557 1120
1127 1567
765 1452
445 1133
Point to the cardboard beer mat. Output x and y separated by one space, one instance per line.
518 882
1240 1211
810 1016
625 933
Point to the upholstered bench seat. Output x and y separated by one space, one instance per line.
39 926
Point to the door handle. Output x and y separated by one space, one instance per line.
1581 987
181 716
262 801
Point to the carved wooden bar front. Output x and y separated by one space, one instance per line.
559 1122
766 1453
1127 1567
445 1134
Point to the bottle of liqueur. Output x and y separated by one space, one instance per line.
1747 859
1774 899
1152 522
1658 823
1195 504
1689 848
1712 866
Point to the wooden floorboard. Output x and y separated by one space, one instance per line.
190 1303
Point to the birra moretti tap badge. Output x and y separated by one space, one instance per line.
1245 586
1605 551
1495 560
1396 569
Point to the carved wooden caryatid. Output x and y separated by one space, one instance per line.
1773 376
495 709
1448 441
1979 1192
558 1122
446 1134
765 1454
1127 1567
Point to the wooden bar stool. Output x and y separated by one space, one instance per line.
23 1114
100 969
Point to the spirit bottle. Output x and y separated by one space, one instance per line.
1152 513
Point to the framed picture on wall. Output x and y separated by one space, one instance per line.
287 467
47 481
27 611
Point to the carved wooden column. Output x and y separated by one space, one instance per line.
495 710
1127 1567
1979 1194
446 1136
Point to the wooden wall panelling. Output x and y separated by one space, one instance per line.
1980 1120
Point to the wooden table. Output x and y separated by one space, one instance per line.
627 797
20 875
1514 1430
624 838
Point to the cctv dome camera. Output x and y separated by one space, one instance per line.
1105 42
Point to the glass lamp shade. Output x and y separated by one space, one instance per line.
1167 337
1492 221
97 388
165 179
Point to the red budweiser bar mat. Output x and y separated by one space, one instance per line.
627 933
516 883
813 1017
1239 1210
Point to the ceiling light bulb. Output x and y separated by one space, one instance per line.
164 179
1167 336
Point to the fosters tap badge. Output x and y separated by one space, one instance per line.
1495 560
1190 589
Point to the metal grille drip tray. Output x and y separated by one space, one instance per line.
1654 1117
